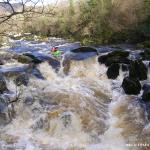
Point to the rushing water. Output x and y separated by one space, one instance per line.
83 110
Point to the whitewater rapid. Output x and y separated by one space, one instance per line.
82 110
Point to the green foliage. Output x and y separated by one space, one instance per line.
96 21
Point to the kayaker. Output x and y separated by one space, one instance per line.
56 52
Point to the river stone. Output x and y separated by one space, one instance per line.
138 70
118 56
22 79
24 59
3 86
113 71
131 86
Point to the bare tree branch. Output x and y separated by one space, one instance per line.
10 9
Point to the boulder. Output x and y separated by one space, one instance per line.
113 71
118 56
131 86
3 86
146 96
138 70
84 49
22 79
24 59
145 55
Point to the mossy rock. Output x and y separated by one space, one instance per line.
24 59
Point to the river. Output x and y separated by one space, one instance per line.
83 110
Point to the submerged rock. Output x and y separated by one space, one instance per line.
113 71
84 49
22 79
3 86
118 56
138 70
131 86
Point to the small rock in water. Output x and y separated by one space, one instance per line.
3 86
22 79
131 86
113 71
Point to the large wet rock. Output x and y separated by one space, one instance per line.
38 58
113 71
138 70
131 86
24 59
146 54
118 56
84 50
3 86
22 79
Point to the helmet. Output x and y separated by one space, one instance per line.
54 49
